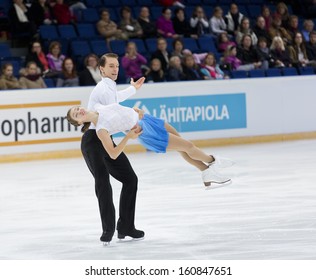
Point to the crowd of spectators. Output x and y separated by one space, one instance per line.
273 40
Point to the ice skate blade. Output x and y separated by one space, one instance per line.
106 244
216 185
129 239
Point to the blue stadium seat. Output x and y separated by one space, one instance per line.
307 71
111 3
130 3
289 71
191 44
194 2
99 47
67 31
90 15
210 2
273 72
241 2
118 47
50 82
254 11
155 12
147 3
5 51
207 44
189 11
94 3
80 48
48 32
256 73
86 30
239 74
151 44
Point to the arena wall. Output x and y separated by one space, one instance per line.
33 125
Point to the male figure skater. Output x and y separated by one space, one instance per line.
100 163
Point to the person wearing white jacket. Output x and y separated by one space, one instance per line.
217 22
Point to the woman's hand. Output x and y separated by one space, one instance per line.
134 133
138 83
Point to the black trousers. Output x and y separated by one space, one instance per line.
101 167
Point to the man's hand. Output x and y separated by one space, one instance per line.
138 83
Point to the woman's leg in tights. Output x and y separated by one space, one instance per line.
188 151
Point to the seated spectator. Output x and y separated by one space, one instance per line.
108 28
37 55
297 51
192 70
41 13
181 25
248 54
232 62
162 54
155 73
277 30
308 27
244 29
31 77
217 22
264 51
133 62
266 13
21 19
90 76
75 6
311 47
62 12
260 29
168 3
55 58
129 25
7 80
148 27
233 19
175 71
165 25
224 42
178 47
199 22
280 54
68 77
293 26
211 69
283 13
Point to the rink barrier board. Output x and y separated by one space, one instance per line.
141 149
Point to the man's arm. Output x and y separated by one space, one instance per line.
131 90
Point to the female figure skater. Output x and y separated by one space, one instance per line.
154 134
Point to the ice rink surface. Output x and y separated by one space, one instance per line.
48 209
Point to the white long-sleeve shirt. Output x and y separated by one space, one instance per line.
218 25
105 92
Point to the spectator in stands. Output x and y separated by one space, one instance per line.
311 47
211 69
283 13
69 76
161 53
266 13
165 25
293 26
62 12
192 70
148 27
168 3
199 22
31 77
260 29
175 71
223 42
41 13
232 62
108 28
7 80
308 27
233 19
155 73
297 51
133 62
55 58
90 76
129 25
178 47
37 55
279 53
21 19
181 25
217 22
277 30
244 29
264 51
248 54
75 5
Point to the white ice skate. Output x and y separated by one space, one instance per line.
210 176
221 162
